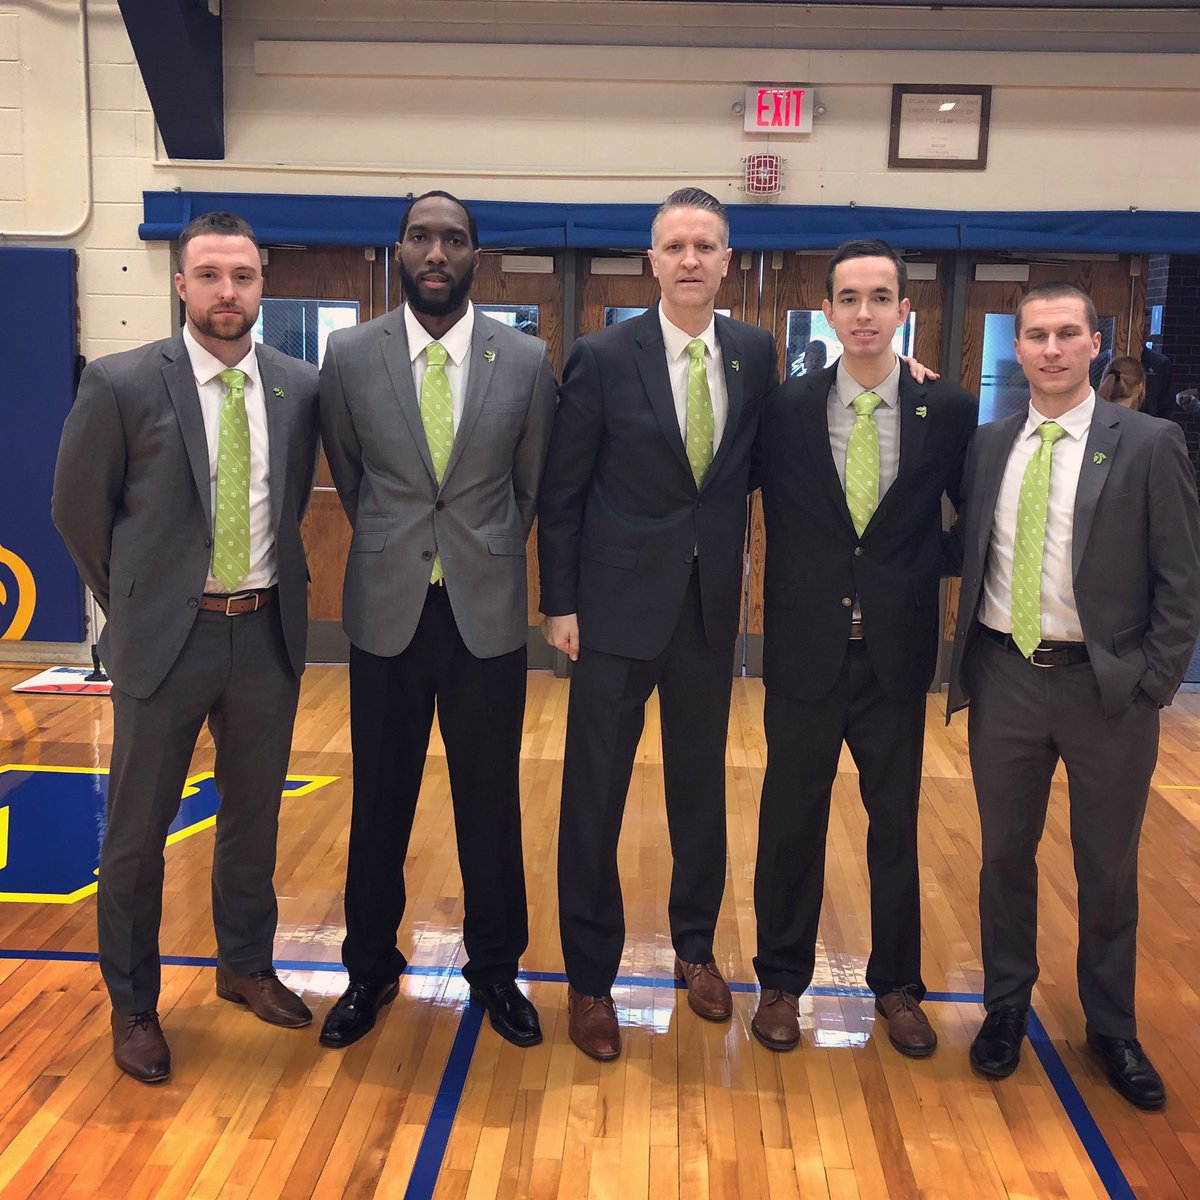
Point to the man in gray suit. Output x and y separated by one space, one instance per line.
184 470
435 421
1078 615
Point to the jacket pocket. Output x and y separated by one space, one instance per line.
120 582
1128 640
502 543
624 557
368 542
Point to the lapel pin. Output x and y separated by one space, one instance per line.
922 411
1099 457
489 354
278 392
736 365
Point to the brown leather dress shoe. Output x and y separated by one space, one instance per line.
139 1047
592 1025
908 1027
708 994
777 1022
266 997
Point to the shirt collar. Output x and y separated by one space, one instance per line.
848 387
456 340
676 341
1075 422
206 366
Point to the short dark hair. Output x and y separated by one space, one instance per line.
1058 289
472 227
691 197
867 248
225 224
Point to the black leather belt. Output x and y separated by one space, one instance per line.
237 603
1048 654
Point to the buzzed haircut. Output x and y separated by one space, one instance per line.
691 197
867 248
472 227
224 224
1059 289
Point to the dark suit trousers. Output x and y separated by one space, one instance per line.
1022 720
804 740
235 672
605 716
480 705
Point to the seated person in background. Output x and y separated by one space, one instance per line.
1123 382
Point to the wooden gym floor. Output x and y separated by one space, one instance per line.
433 1103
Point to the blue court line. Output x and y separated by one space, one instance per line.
432 1150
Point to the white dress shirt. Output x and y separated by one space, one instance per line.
1060 617
457 343
678 360
207 371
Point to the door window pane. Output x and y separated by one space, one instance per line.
812 344
524 317
1003 389
302 327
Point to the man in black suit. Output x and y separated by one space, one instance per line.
1078 616
641 529
856 460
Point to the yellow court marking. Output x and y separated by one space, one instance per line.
311 783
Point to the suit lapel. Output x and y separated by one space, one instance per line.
394 348
992 476
278 408
481 358
812 412
1098 454
181 387
914 426
651 359
732 363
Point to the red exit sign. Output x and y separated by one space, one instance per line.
779 109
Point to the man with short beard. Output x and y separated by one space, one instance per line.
183 474
435 421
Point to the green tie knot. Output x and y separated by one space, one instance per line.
435 354
233 379
1050 432
696 348
865 403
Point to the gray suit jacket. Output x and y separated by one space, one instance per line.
478 520
132 500
1135 551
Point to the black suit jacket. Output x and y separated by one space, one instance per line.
620 517
816 562
1135 551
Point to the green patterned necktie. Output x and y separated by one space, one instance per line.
437 415
1030 542
231 521
700 424
862 461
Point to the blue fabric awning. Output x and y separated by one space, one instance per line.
374 220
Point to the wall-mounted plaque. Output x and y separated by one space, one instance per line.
943 126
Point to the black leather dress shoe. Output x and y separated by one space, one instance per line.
511 1013
1130 1071
354 1013
996 1049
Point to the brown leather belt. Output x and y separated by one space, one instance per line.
237 604
1048 654
856 631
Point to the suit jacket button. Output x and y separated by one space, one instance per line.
207 542
858 552
426 555
440 505
687 558
193 602
847 601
